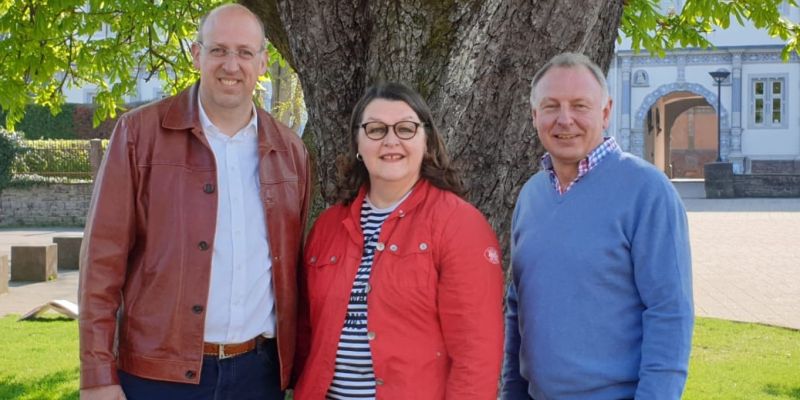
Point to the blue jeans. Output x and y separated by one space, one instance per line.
254 375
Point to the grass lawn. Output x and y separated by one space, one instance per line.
733 360
39 358
730 360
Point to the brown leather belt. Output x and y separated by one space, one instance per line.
223 351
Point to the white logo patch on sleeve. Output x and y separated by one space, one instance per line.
492 255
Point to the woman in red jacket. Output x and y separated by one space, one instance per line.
401 285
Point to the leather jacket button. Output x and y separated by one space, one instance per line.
189 374
197 309
208 188
203 245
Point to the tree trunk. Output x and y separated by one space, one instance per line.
471 60
287 97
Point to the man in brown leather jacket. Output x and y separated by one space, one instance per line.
188 266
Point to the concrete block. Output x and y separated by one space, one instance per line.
69 250
719 180
4 274
34 263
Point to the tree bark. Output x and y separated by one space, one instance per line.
471 60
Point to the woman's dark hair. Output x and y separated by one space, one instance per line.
436 168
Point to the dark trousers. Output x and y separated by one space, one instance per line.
254 375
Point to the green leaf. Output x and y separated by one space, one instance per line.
47 46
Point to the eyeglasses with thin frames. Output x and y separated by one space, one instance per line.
404 130
244 54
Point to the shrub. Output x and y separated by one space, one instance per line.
55 158
82 120
26 180
10 148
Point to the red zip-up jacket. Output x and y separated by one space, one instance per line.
435 304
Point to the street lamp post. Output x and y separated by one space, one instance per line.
719 77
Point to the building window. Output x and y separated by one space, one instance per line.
90 97
768 105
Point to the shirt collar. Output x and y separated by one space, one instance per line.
609 145
249 130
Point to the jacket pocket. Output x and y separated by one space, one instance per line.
408 263
323 272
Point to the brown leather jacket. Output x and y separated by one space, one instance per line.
146 255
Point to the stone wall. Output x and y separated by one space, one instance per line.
766 185
45 205
784 167
721 183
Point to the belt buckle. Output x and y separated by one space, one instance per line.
221 353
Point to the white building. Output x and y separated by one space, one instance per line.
146 90
665 108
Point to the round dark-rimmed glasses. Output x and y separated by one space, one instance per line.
377 130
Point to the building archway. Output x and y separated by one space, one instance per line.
676 127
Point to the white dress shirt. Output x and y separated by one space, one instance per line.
240 297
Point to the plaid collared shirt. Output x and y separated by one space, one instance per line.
608 146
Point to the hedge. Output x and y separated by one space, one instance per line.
73 122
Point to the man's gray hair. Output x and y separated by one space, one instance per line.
569 60
204 18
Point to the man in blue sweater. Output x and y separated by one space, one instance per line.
600 305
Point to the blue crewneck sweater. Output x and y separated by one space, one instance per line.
600 306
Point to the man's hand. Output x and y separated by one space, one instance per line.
110 392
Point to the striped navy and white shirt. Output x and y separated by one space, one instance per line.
354 377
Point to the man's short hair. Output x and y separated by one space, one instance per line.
204 18
569 60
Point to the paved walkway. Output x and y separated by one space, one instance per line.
746 255
746 259
24 296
